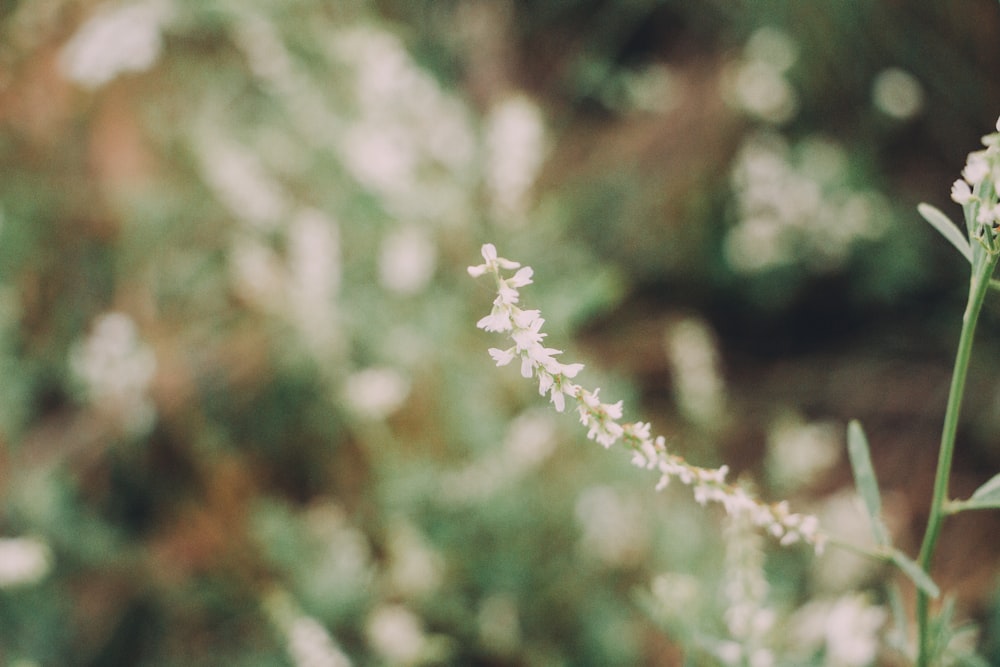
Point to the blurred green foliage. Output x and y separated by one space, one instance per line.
276 203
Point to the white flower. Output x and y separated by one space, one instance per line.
527 337
522 277
497 320
560 388
489 252
987 215
976 168
525 318
502 357
961 193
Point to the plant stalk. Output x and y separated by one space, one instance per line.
983 266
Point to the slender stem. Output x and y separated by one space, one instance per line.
982 270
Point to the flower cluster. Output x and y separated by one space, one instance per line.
603 420
977 190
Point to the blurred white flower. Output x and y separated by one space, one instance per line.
310 645
677 594
415 568
530 440
515 151
755 245
852 632
694 362
843 516
897 93
343 565
612 524
846 629
797 207
115 369
272 62
382 157
264 49
653 89
798 452
499 623
961 193
257 272
240 181
396 634
376 392
117 38
977 168
756 82
412 143
407 260
308 642
23 561
747 616
314 273
772 46
763 92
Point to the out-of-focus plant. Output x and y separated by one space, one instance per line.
242 418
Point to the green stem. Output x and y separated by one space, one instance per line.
982 270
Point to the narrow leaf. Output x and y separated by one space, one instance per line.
864 479
989 491
986 497
915 573
898 636
943 224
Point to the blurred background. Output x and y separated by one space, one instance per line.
247 418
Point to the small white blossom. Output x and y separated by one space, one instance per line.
502 357
988 215
493 262
976 168
961 193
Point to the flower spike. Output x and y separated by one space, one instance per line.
603 420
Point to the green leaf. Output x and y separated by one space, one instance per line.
864 479
943 224
989 492
986 497
898 635
915 573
